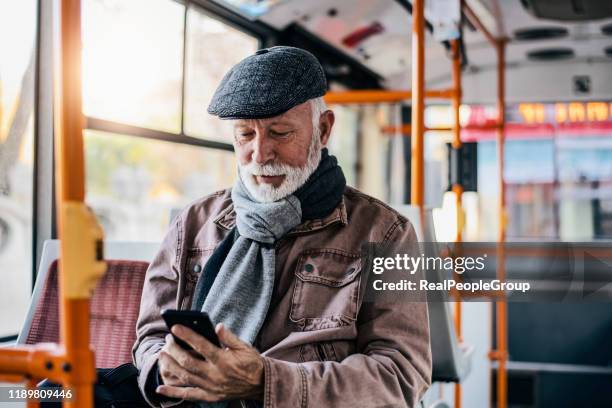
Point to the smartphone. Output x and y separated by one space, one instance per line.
199 322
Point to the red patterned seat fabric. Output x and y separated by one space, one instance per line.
114 310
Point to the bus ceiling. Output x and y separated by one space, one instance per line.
371 41
569 10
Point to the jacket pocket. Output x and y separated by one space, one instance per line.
320 351
326 290
194 267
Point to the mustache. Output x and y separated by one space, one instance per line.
268 169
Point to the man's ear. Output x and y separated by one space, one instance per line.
326 124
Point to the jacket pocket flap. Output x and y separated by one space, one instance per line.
331 267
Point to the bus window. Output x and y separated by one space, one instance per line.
17 21
212 48
530 175
585 179
135 185
343 141
557 171
125 78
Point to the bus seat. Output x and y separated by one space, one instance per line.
451 359
114 305
114 309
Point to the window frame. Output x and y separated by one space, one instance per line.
39 149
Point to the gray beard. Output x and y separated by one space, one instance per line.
295 177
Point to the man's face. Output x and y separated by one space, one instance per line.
277 155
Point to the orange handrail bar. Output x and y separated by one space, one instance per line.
417 194
381 96
405 129
457 188
501 306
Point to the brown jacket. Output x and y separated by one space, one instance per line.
322 346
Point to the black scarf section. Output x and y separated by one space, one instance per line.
319 196
323 190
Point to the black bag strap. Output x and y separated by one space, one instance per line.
115 387
117 375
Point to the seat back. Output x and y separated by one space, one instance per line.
114 309
450 363
114 306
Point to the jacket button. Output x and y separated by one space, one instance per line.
197 268
308 268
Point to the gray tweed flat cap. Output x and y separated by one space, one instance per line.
268 83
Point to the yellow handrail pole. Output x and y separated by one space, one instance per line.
458 187
417 194
501 304
81 236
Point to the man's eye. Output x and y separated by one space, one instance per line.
245 135
280 134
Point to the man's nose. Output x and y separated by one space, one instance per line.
263 150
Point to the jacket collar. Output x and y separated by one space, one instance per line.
227 219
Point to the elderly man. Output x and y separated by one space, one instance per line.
276 263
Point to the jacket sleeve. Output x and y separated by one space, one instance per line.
392 365
159 292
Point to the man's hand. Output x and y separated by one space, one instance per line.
209 373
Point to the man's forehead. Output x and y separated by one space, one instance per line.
294 115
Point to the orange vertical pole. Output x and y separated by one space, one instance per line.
74 323
456 142
71 181
78 269
457 188
500 353
417 193
501 304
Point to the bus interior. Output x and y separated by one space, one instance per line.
479 120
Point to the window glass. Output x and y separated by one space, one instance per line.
17 20
585 186
557 187
212 49
132 62
372 151
136 185
343 140
529 175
